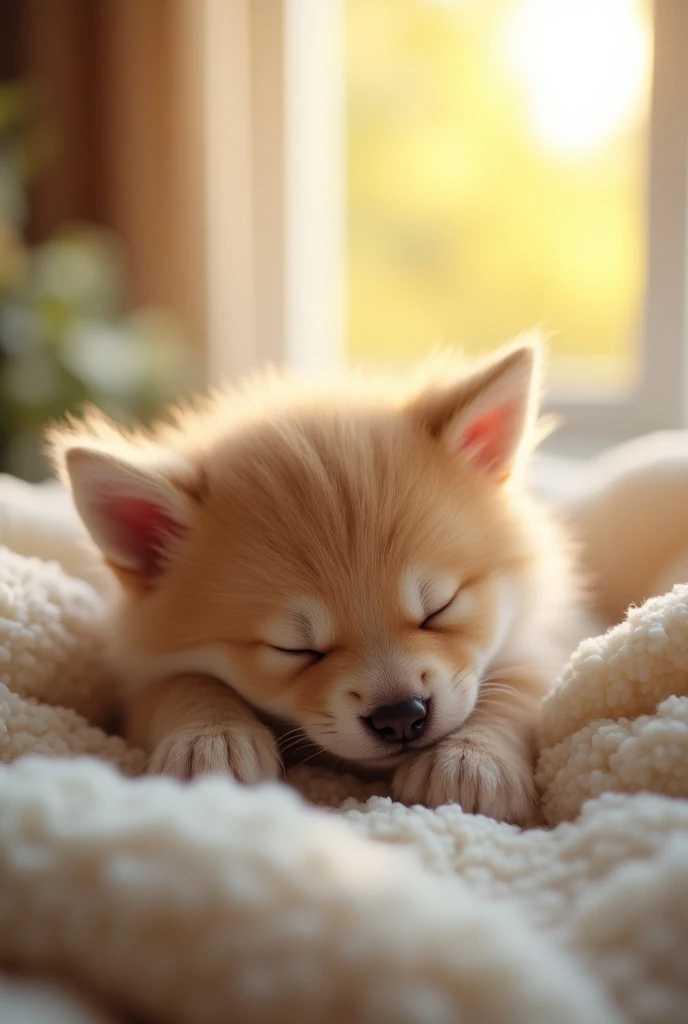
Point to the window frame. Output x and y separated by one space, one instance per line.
659 401
274 184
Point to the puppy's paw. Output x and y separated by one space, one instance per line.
471 771
247 752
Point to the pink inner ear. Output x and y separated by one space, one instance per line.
488 439
143 530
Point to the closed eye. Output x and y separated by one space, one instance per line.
427 622
300 652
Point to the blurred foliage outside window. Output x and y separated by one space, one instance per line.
496 178
66 334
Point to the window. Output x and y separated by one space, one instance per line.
506 163
496 179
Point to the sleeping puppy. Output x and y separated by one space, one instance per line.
356 566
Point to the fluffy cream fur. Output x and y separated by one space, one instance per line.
295 561
206 902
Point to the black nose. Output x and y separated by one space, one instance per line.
398 722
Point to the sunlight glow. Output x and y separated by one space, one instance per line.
585 65
496 170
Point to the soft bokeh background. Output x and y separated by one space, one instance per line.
71 330
495 179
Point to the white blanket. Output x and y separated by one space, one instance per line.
210 902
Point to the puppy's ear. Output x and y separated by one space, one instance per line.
137 503
487 418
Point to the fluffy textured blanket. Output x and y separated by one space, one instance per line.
209 903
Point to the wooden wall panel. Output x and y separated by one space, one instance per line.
120 85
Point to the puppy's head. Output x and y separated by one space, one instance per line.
349 564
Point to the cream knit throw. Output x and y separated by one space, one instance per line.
210 903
